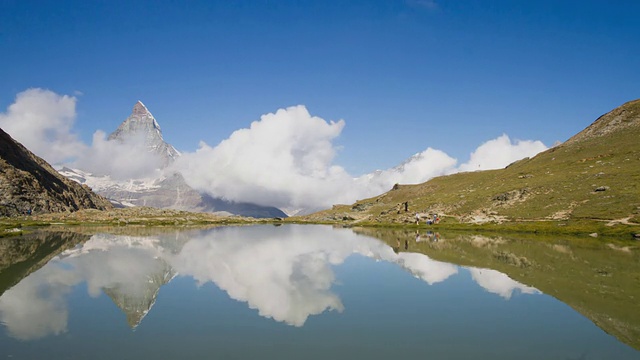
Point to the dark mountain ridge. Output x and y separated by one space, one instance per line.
29 184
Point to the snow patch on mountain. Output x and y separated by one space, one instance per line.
105 182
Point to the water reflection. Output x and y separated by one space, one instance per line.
285 273
499 283
423 267
596 277
130 274
37 306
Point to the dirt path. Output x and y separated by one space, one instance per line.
624 221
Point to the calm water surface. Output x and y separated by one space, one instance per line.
294 292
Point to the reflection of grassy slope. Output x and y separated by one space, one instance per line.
599 280
21 256
559 182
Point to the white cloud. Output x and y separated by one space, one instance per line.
42 121
121 160
285 159
417 169
500 152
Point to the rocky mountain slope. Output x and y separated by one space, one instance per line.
164 189
142 123
593 175
30 184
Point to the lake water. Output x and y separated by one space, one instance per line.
316 292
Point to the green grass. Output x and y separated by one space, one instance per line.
8 225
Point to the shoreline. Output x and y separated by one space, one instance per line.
150 217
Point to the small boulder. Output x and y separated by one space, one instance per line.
595 235
601 188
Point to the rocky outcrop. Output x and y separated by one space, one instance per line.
28 184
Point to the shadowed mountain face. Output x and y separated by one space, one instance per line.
593 175
163 189
28 183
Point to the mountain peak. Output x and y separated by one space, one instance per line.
621 118
141 123
140 109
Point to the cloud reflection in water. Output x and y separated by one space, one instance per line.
499 283
285 273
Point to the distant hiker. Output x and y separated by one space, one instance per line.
29 212
406 206
417 219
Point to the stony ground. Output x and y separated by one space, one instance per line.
137 215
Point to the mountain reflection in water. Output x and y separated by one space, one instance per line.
286 273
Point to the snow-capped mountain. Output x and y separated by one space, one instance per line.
163 188
141 123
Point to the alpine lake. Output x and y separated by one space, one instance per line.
316 292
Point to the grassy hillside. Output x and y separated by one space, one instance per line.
593 175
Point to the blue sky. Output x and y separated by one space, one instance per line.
404 75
